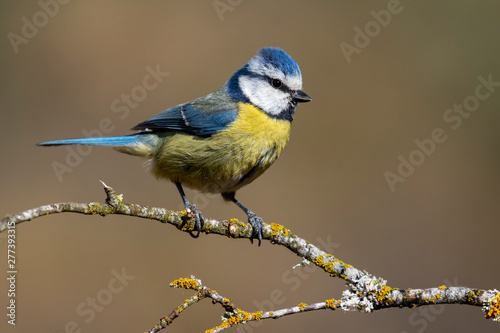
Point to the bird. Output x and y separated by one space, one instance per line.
223 141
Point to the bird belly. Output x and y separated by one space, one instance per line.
227 160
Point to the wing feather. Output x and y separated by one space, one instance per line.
204 116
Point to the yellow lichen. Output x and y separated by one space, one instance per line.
471 296
236 319
383 293
331 303
185 283
301 306
329 266
257 315
246 315
443 287
494 311
319 261
278 228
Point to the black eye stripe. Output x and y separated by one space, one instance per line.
281 86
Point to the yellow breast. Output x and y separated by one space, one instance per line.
228 160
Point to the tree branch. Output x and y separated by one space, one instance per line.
386 298
233 316
364 292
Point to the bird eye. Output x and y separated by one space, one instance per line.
276 83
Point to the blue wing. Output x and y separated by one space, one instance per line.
204 116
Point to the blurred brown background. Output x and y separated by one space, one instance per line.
440 226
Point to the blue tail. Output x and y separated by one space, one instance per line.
105 141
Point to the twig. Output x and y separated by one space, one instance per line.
233 316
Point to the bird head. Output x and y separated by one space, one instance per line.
271 81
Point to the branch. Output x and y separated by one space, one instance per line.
365 292
233 316
385 298
185 221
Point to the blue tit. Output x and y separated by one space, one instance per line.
223 141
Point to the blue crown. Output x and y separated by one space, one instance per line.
279 59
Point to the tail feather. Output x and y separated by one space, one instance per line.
140 144
98 141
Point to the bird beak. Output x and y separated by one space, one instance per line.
300 97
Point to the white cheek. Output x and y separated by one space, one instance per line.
261 94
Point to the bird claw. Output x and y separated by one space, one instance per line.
257 226
193 210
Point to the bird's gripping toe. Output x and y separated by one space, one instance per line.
193 211
257 226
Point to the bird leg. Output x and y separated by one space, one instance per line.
191 209
256 222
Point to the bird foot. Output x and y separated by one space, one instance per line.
193 211
257 226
